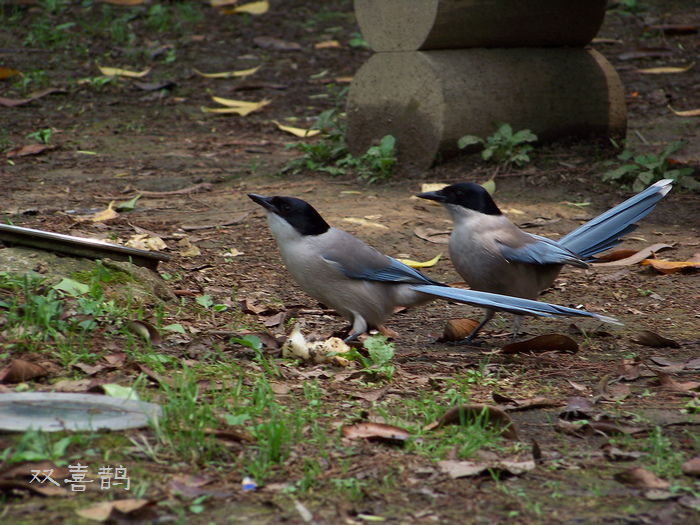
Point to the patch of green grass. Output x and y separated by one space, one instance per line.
503 147
644 170
329 153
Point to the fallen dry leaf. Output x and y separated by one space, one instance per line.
670 266
617 255
29 149
458 329
687 113
514 405
692 467
668 383
252 8
119 72
461 469
6 72
418 264
491 416
11 103
123 2
364 222
20 371
665 70
637 257
269 42
542 343
229 74
615 392
432 235
629 369
654 340
146 331
328 44
641 478
297 132
375 432
135 509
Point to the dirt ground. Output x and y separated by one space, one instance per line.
114 141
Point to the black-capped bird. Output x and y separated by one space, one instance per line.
493 255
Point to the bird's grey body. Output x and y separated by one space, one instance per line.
493 255
312 260
361 284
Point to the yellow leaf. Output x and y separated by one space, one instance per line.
670 266
221 3
104 215
6 72
417 264
242 111
689 113
298 132
123 2
364 222
118 72
231 103
253 8
229 74
328 44
662 70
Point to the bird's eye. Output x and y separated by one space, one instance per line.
285 208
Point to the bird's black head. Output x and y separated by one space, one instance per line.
465 194
298 213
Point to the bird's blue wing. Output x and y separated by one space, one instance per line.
386 269
540 251
514 305
604 231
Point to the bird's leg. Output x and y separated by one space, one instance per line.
486 319
516 327
359 327
387 332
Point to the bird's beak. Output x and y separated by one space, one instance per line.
265 202
436 196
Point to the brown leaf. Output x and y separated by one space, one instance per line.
432 235
577 408
573 429
11 103
492 417
673 29
668 383
613 453
29 149
612 392
542 343
458 329
146 330
270 42
513 405
613 428
155 376
20 371
692 467
119 510
375 432
90 370
6 72
616 255
629 368
460 469
538 222
670 266
654 340
641 478
637 257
